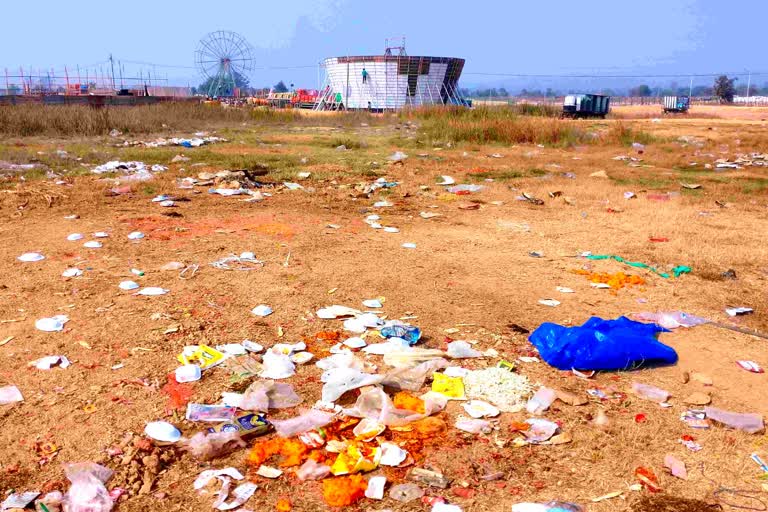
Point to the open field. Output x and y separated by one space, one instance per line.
470 277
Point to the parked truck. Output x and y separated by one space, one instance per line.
676 104
586 105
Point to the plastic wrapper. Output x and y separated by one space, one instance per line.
474 426
412 379
461 349
342 380
87 492
620 344
264 395
208 446
310 420
342 360
749 423
376 405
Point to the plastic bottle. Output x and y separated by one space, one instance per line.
407 332
541 401
650 392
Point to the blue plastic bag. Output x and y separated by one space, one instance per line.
620 344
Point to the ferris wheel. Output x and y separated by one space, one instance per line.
224 58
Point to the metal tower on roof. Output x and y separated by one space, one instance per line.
389 46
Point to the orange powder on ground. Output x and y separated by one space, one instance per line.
344 491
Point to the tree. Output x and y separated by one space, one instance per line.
724 88
503 92
280 87
213 87
642 91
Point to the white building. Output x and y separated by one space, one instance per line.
387 82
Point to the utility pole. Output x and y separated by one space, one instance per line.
112 63
749 82
690 88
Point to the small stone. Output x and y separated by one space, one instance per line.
406 492
702 378
698 398
685 377
563 438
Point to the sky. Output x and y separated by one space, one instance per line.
496 37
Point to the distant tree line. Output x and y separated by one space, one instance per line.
724 88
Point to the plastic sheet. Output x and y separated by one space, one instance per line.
676 271
264 395
277 366
313 470
670 319
620 344
341 380
376 405
310 420
461 349
412 379
208 446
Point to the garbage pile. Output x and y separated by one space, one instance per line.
230 183
133 170
199 140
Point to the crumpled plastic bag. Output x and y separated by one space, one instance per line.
340 360
210 445
412 379
460 349
670 319
277 366
264 395
341 380
87 492
620 344
310 420
376 405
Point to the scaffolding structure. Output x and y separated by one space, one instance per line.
390 81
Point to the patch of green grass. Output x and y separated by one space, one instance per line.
755 186
505 175
647 183
537 172
148 189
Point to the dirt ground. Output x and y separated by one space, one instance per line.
470 277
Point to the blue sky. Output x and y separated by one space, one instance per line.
495 36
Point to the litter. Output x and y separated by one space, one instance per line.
269 472
446 180
749 423
74 237
676 271
87 491
48 362
549 302
128 285
541 400
651 393
52 324
407 332
162 431
551 506
671 320
188 373
135 235
464 189
93 244
397 156
262 310
736 311
210 413
30 257
599 344
375 489
409 245
473 426
563 289
152 291
246 261
461 349
406 492
19 500
72 272
310 420
10 395
750 366
506 390
675 466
